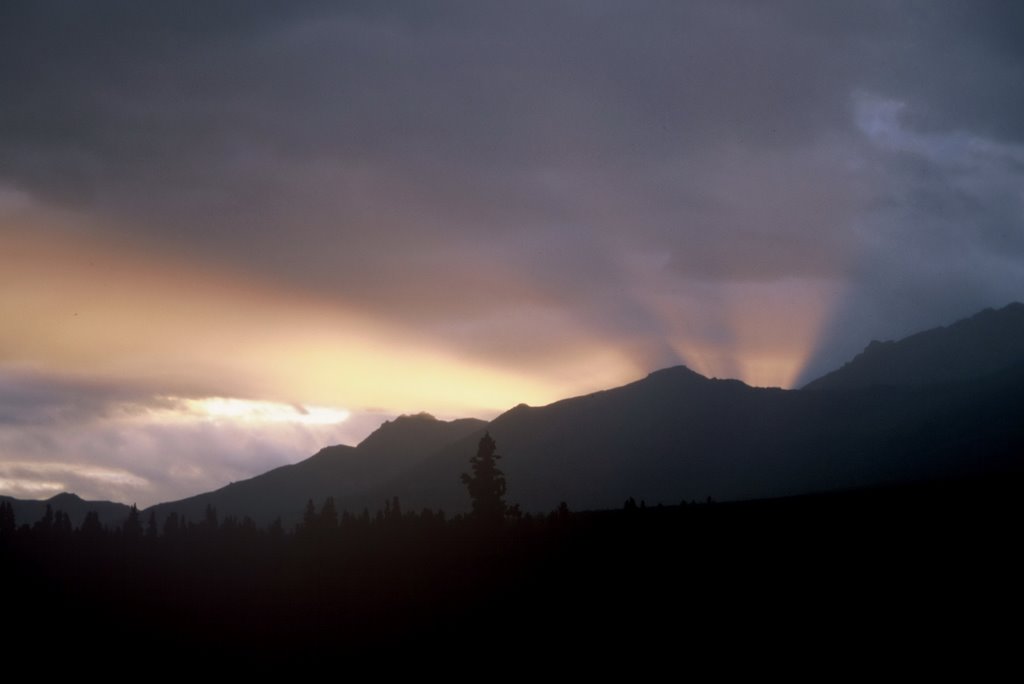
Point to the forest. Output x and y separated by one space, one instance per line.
932 556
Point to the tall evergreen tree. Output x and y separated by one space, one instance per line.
328 519
210 518
44 526
7 520
132 528
172 525
487 483
62 524
91 527
309 518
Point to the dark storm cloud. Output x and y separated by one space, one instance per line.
943 238
468 103
37 399
960 65
404 156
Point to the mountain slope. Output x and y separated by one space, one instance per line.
944 403
343 472
29 511
678 436
974 347
674 435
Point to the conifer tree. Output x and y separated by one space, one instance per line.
309 518
328 518
132 528
91 527
7 520
487 483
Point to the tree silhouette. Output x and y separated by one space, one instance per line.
487 483
172 525
132 528
44 525
91 528
151 528
328 518
210 518
310 517
7 520
62 525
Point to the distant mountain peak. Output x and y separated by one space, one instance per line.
349 474
65 497
987 342
1012 307
31 510
677 435
421 416
675 373
410 428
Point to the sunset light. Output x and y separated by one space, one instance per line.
242 411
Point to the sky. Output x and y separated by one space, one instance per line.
233 233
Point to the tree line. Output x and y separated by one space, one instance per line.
486 487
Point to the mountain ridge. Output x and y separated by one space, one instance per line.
110 513
338 471
676 435
984 343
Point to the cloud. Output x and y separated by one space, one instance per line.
440 165
943 238
105 442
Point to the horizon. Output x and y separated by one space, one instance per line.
230 239
268 412
356 439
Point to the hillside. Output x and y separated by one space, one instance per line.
343 472
29 511
980 345
944 403
676 435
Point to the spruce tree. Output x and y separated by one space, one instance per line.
7 520
487 483
132 527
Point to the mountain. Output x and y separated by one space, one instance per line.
974 347
29 511
676 435
344 472
945 403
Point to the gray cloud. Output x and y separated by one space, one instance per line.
38 399
105 442
943 238
460 163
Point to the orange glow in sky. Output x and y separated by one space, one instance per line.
92 310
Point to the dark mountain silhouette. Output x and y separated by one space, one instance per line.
928 477
945 403
29 511
344 472
676 435
974 347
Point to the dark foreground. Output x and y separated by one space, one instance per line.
928 570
